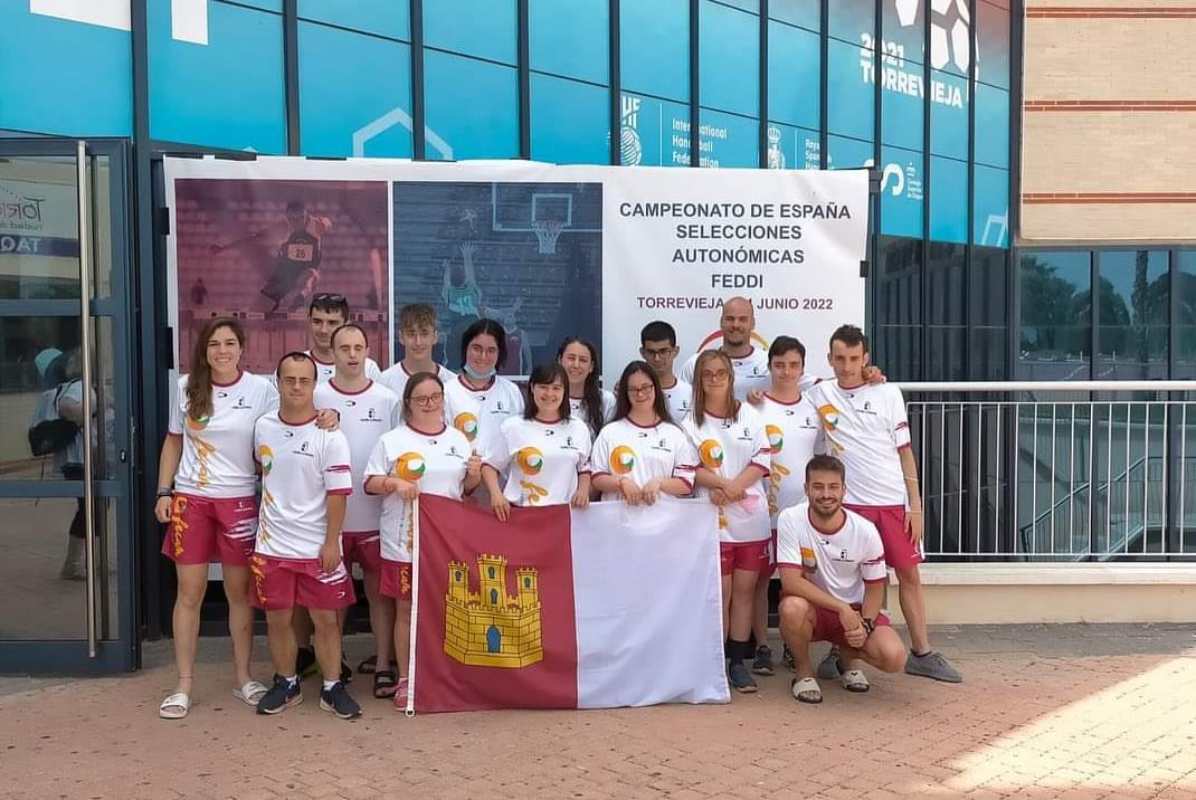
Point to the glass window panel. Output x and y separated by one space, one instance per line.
843 153
850 91
899 351
904 26
482 28
729 53
570 121
792 148
805 13
1135 303
36 603
899 281
794 64
950 36
39 228
946 359
342 115
986 361
992 60
945 284
472 108
1185 314
992 126
655 133
901 193
570 38
901 111
654 42
728 140
1055 289
852 21
384 17
991 206
987 286
949 116
751 6
948 200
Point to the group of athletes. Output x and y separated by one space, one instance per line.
811 479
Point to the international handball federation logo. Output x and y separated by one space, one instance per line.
198 424
950 31
410 466
466 423
711 453
776 438
631 149
530 460
622 460
265 457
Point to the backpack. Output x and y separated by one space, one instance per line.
48 431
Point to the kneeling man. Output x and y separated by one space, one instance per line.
832 565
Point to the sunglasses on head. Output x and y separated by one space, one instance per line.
326 297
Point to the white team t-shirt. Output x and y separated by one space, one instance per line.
217 459
301 465
436 461
577 409
478 413
727 447
865 427
839 563
627 450
679 399
395 378
326 369
365 416
541 460
794 436
751 372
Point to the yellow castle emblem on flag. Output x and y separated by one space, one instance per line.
490 628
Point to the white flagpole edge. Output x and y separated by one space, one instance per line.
410 710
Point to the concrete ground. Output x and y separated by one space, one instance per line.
1045 712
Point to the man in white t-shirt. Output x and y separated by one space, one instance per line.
367 410
306 480
866 427
832 577
418 335
736 322
325 314
658 347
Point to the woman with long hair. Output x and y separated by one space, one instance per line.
207 482
422 454
587 401
641 454
545 452
733 455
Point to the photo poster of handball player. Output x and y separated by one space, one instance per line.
259 250
526 254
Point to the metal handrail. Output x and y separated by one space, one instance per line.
1047 386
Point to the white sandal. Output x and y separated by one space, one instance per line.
175 706
855 680
806 690
251 693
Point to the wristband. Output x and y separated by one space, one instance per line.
869 625
165 492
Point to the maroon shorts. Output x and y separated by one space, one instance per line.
748 556
890 521
282 583
205 529
396 580
827 627
364 548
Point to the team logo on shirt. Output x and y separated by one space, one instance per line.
198 424
530 460
265 457
622 460
410 466
466 423
711 453
776 438
829 415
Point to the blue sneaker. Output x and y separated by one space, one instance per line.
741 680
338 701
281 696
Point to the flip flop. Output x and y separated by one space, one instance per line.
855 680
805 690
368 666
175 706
250 693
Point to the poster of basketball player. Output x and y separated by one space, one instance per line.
260 250
528 255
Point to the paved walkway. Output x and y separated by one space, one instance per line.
1046 712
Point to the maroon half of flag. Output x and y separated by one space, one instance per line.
495 622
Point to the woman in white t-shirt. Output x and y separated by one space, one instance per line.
423 455
641 454
545 453
589 403
733 454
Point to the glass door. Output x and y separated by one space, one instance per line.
67 590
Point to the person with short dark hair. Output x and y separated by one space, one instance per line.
418 334
658 347
833 575
327 312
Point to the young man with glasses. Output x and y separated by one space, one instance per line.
658 347
326 313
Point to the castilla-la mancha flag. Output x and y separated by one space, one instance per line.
560 608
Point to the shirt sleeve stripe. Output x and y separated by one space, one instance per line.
339 491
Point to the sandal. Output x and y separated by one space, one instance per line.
386 681
805 690
855 680
368 666
175 706
251 693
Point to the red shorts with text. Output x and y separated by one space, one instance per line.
827 627
205 529
890 521
364 548
749 556
396 580
282 583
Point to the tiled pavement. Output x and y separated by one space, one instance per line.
1046 712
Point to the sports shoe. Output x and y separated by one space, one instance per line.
932 665
762 663
305 663
338 701
788 660
828 668
401 695
741 680
281 696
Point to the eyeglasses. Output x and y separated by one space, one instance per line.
641 390
661 353
427 399
717 376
